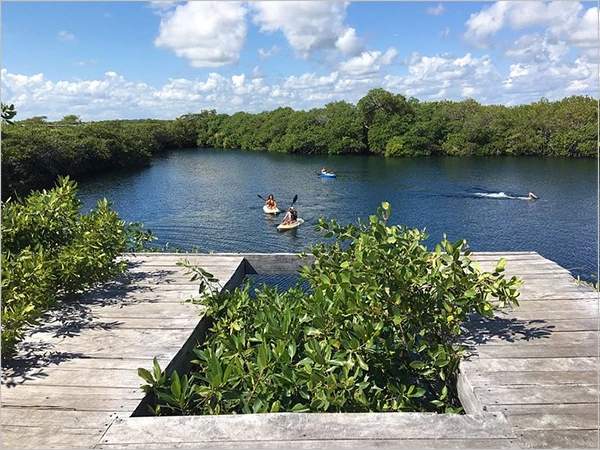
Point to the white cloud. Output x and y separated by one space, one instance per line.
208 34
482 26
368 63
114 97
553 81
310 81
308 26
65 36
238 80
447 77
427 77
264 54
162 7
349 43
436 10
564 21
578 31
388 57
535 48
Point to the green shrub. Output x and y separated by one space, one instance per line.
51 252
378 332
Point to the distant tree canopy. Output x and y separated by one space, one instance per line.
8 112
35 151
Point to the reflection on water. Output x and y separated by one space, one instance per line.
208 199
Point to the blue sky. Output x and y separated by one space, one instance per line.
127 60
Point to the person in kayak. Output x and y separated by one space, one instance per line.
290 216
271 203
323 170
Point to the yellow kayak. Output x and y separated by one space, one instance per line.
288 226
270 210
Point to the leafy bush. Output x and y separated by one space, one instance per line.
52 252
378 332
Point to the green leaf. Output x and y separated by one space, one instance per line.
417 365
501 264
299 407
175 385
157 369
361 362
275 406
146 375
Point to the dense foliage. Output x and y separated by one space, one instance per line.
378 331
51 252
35 151
8 112
34 154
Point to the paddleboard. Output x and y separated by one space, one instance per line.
327 175
289 226
271 211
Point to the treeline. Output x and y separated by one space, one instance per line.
35 151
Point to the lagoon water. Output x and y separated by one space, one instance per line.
207 199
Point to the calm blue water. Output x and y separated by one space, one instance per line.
208 199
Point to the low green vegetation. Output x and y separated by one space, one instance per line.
51 252
378 330
35 151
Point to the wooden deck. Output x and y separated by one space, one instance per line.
531 379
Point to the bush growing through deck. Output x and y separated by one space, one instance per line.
377 332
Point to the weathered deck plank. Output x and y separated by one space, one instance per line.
250 429
532 372
550 364
77 371
340 444
538 363
50 437
573 416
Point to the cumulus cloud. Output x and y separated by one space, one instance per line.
308 26
349 43
436 10
368 62
565 21
552 80
65 36
447 77
309 81
207 34
427 77
537 48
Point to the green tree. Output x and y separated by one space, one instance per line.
384 115
70 119
343 128
8 112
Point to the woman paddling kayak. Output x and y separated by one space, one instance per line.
290 216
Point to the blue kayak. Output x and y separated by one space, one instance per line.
327 175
